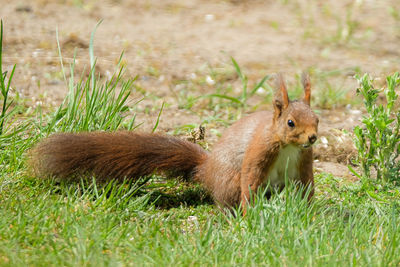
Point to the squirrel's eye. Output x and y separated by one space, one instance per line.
290 123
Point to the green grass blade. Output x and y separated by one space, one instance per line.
259 85
233 99
158 118
61 57
91 53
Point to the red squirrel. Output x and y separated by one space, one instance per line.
253 152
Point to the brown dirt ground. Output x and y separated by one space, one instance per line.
166 42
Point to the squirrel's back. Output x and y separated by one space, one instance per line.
223 168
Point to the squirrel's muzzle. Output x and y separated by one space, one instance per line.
312 138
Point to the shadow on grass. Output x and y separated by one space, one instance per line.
182 195
163 193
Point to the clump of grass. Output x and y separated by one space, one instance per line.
378 140
94 107
92 104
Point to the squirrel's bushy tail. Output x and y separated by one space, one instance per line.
117 155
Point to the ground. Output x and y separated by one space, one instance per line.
182 49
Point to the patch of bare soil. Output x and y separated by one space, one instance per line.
167 42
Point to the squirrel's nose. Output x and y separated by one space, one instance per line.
312 138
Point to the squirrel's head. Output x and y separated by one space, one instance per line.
294 121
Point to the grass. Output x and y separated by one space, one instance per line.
45 223
48 222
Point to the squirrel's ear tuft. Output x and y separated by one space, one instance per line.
305 80
281 95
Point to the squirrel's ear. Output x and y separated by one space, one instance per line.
281 93
305 80
281 100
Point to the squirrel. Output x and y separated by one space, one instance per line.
257 150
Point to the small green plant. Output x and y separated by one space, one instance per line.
5 85
378 141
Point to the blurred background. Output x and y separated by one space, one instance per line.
166 42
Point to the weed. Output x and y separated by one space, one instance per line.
378 141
